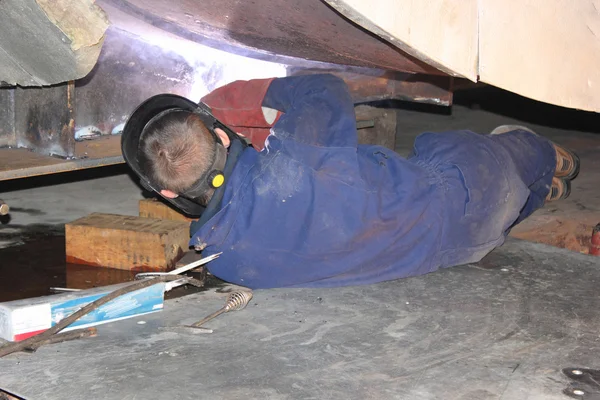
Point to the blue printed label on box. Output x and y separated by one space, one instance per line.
142 301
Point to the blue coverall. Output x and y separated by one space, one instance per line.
315 209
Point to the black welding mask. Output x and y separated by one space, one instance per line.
147 114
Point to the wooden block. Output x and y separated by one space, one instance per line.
125 242
153 208
384 131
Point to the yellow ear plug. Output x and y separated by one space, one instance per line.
218 180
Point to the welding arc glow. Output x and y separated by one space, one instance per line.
214 68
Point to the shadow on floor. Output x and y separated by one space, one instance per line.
510 105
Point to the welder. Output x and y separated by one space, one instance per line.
313 208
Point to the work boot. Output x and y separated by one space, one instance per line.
567 162
559 190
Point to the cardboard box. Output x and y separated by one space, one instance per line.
21 319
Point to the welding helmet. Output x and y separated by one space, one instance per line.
147 114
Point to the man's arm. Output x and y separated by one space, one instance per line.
318 110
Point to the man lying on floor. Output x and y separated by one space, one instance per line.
316 209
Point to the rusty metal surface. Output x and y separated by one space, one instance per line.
307 29
7 117
44 119
131 69
370 85
401 86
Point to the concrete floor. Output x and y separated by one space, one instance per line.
504 329
444 338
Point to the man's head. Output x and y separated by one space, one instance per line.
176 150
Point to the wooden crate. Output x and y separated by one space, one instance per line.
126 242
153 208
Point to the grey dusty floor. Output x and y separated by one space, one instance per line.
502 329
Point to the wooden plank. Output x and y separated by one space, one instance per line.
126 242
153 208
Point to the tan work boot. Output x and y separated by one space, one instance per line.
567 162
559 190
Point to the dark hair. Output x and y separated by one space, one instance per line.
176 150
